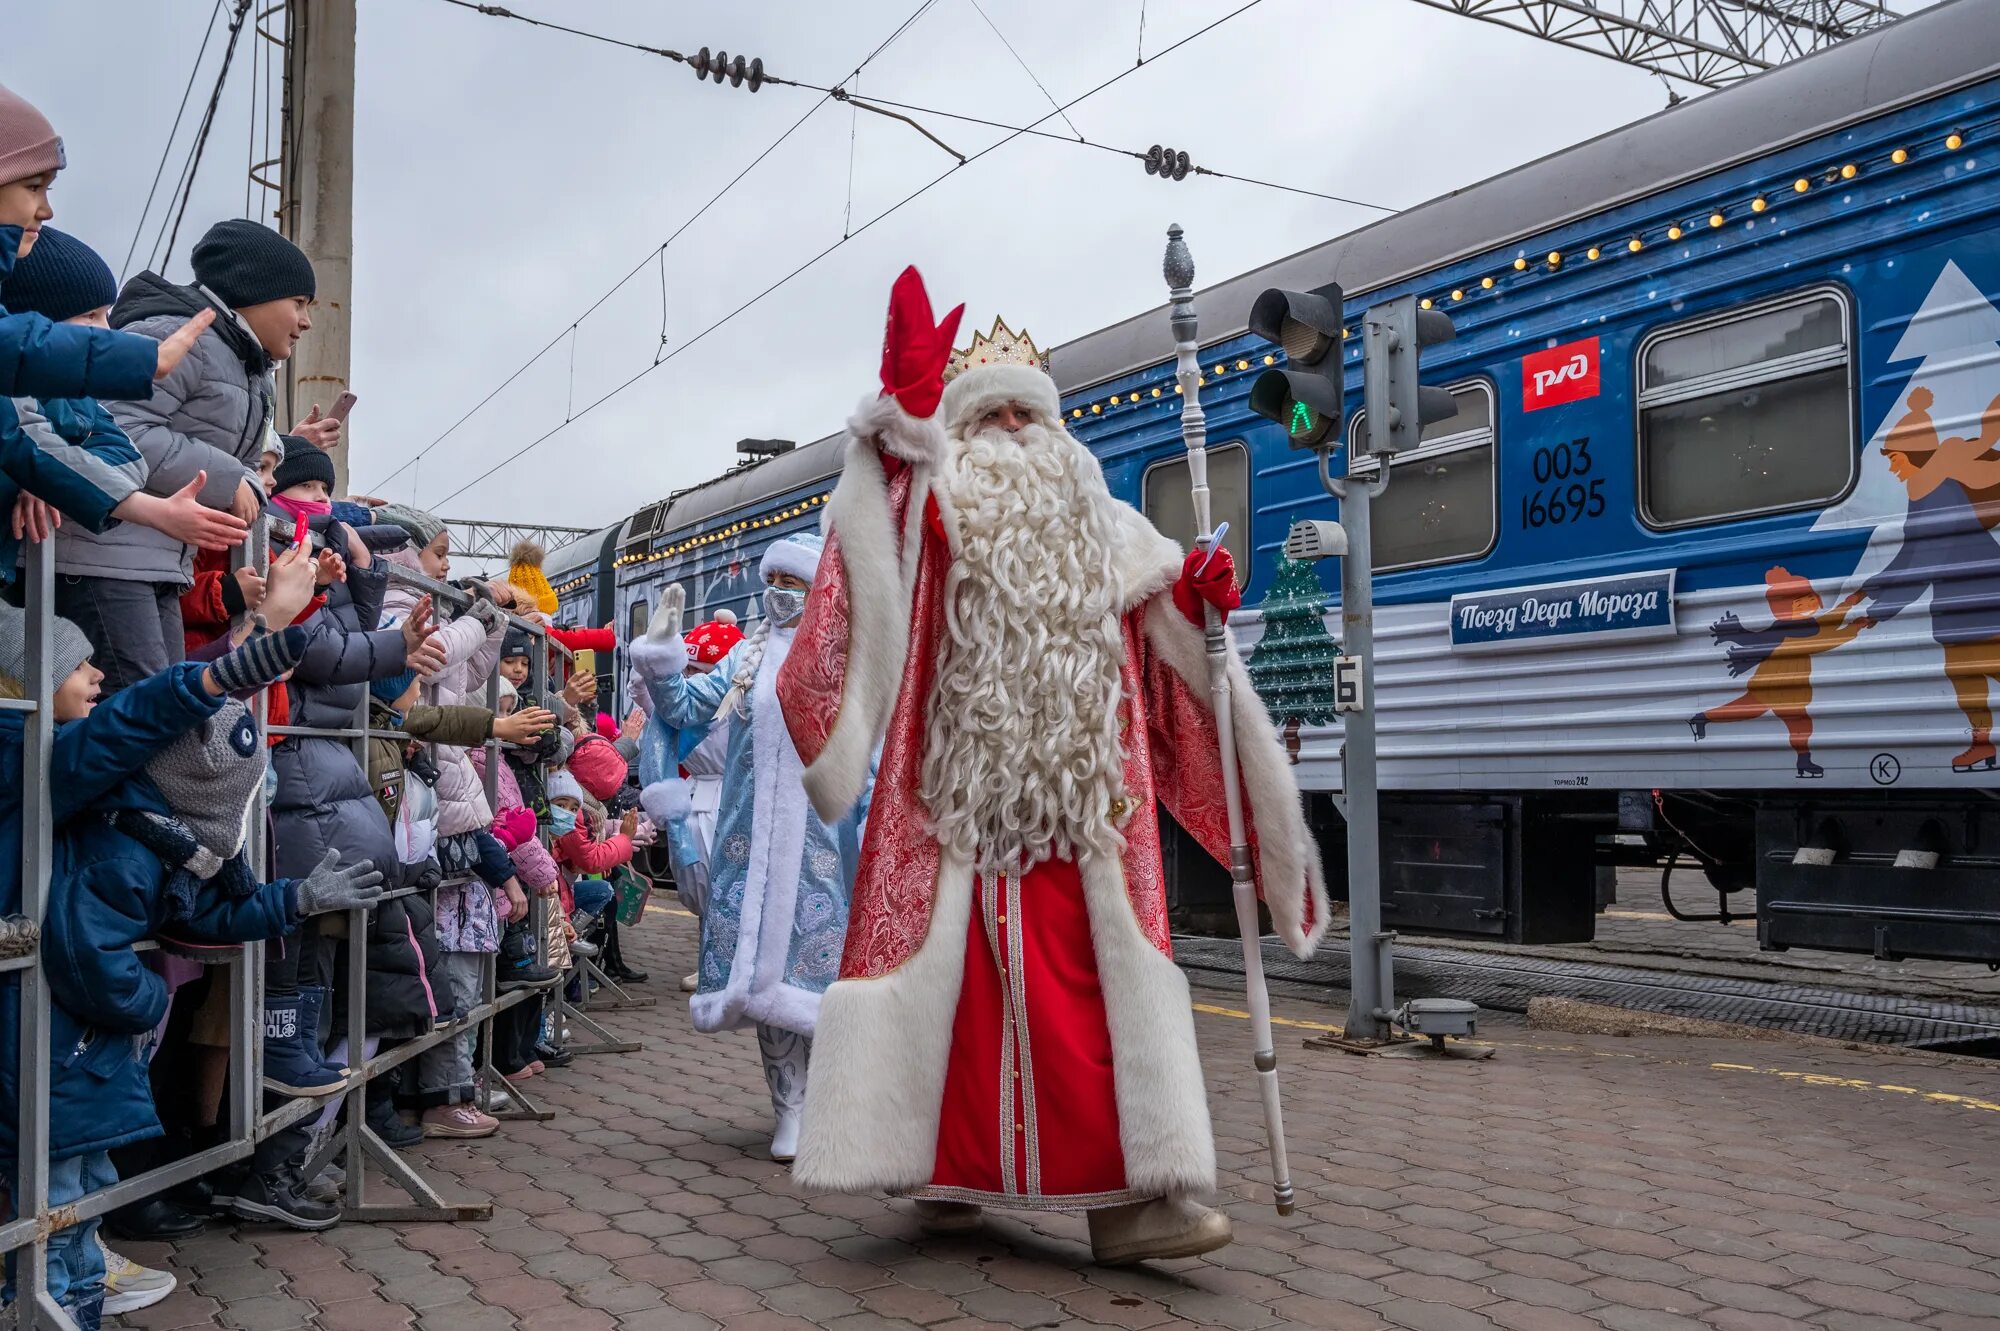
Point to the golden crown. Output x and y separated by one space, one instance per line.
1002 346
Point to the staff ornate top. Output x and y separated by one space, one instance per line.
1002 346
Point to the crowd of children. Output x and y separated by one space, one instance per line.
140 444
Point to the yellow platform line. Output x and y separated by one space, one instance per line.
1784 1074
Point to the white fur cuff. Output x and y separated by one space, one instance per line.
658 660
668 801
898 433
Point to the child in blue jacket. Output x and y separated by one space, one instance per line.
43 358
150 797
66 457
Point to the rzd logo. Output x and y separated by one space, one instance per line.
1567 373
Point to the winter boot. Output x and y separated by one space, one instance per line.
1162 1228
293 1064
386 1123
518 968
315 1011
279 1194
786 1054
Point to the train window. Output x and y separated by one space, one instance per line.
1167 497
1440 504
1747 412
637 618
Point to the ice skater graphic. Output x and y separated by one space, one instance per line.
1778 660
1949 550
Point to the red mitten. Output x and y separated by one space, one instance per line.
1214 585
514 828
914 350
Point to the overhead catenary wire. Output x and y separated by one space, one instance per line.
1034 77
658 251
902 111
161 258
811 262
167 149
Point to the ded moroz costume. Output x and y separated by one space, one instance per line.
1009 1028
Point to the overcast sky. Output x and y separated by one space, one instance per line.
506 176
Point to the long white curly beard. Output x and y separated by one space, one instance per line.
1022 755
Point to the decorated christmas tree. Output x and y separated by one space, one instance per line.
1293 663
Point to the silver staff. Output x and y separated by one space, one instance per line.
1179 272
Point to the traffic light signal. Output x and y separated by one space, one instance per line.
1306 395
1399 407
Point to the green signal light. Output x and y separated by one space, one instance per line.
1302 419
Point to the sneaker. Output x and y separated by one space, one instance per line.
129 1286
396 1132
280 1195
461 1121
552 1058
495 1101
579 948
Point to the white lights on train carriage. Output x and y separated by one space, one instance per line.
1555 258
1758 204
1801 185
1593 253
1485 284
1715 219
1850 171
1114 399
1520 265
1177 390
1457 293
1954 141
1077 414
1273 360
1156 390
1425 303
1096 409
1222 369
1674 232
1635 244
1243 365
1900 156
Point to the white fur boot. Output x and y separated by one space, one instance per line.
1156 1230
786 1054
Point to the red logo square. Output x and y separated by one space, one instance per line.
1567 373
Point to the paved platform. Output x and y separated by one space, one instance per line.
1568 1184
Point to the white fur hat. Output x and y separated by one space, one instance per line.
797 554
979 390
561 785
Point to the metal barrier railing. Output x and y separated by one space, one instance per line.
26 1237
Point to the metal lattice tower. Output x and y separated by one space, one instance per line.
1707 42
491 541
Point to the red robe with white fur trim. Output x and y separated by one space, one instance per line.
971 1015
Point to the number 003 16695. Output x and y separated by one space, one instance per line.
1566 492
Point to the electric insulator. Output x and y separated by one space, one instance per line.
1167 164
721 66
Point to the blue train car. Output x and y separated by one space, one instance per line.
1704 568
1707 553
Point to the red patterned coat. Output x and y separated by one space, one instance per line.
858 675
